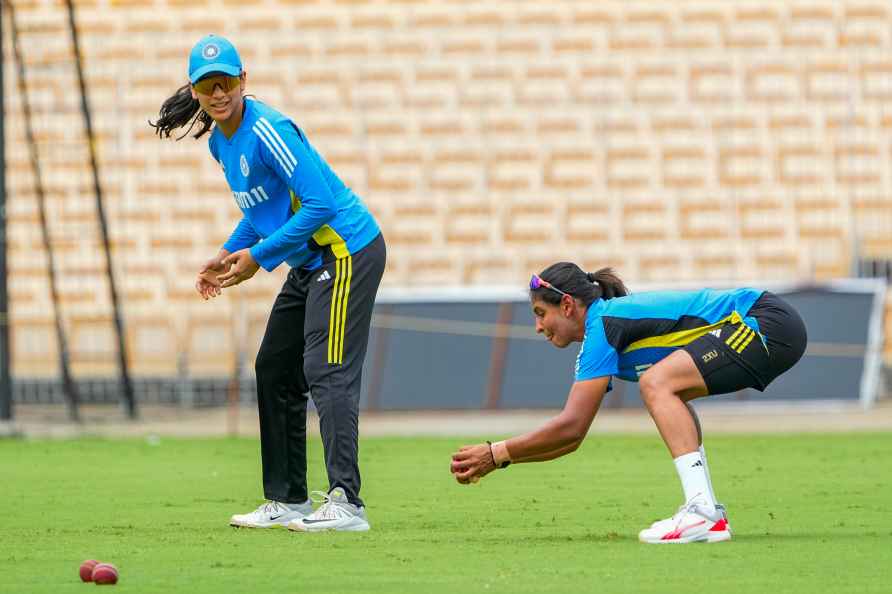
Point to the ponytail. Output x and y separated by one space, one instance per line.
611 285
178 110
587 287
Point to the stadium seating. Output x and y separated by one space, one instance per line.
694 141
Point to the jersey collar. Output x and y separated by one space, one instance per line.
247 112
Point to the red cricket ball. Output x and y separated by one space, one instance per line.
105 574
86 570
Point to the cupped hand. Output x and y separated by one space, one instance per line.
471 463
206 283
241 266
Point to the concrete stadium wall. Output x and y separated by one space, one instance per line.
447 354
688 140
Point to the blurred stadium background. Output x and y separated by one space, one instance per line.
691 142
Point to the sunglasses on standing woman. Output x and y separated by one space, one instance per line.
207 85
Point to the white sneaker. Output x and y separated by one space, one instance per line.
271 514
335 513
691 523
670 522
721 509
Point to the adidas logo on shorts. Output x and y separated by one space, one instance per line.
323 276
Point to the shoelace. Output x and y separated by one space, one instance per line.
271 507
689 506
682 510
329 510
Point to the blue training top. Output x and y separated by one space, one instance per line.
293 203
626 335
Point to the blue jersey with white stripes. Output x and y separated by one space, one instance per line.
624 336
293 203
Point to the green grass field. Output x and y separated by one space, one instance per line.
810 514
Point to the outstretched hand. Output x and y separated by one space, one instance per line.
241 265
471 463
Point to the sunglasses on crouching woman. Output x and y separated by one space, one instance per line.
537 283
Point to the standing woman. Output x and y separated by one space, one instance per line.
295 210
679 345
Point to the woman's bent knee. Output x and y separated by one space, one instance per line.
649 386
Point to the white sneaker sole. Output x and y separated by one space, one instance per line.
298 526
721 536
708 537
242 524
237 523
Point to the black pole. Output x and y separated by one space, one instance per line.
5 379
127 385
69 388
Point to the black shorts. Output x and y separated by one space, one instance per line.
739 358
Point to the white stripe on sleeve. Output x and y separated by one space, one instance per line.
264 136
277 139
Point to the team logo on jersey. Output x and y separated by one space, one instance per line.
210 51
243 163
709 356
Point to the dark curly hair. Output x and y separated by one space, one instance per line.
178 110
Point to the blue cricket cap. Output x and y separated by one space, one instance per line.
213 53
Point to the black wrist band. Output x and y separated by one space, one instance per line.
491 455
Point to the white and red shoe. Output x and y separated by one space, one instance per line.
721 509
691 523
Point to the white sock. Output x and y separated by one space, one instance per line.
295 506
692 472
708 476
